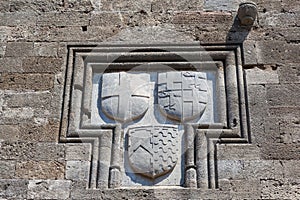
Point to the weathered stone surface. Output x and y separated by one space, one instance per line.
79 151
9 64
271 19
291 169
248 189
9 132
19 49
289 73
49 189
272 52
265 75
238 152
46 132
46 49
7 169
176 5
127 5
224 5
40 170
18 81
77 170
48 6
250 54
31 151
283 95
280 151
13 189
35 37
261 169
42 65
63 19
280 188
17 19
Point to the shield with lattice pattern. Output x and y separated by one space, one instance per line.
153 150
182 96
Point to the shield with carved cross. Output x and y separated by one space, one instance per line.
125 96
182 95
153 150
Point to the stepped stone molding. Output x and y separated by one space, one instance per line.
210 108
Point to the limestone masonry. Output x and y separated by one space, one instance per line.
177 99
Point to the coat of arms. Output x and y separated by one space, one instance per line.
182 95
153 150
125 96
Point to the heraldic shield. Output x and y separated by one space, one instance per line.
182 95
125 96
153 150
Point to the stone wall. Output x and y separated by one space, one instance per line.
36 163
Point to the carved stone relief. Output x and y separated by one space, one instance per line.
155 118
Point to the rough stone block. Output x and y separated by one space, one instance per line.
17 81
107 18
63 19
291 169
237 152
230 169
16 115
78 151
42 65
9 64
13 189
40 170
276 6
46 49
271 19
250 54
224 5
2 49
266 75
33 6
72 33
257 102
77 170
9 132
277 52
5 33
280 188
287 111
289 73
49 151
7 169
283 95
176 5
280 151
31 151
260 169
19 49
241 189
18 18
126 5
28 99
46 132
49 189
289 129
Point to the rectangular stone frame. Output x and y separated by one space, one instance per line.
201 164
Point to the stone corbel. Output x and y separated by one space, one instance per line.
247 13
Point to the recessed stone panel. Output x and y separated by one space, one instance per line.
153 114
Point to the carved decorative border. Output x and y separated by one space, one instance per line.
201 140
